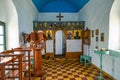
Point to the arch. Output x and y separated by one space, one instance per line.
11 21
114 29
64 31
61 49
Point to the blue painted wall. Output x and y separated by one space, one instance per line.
52 17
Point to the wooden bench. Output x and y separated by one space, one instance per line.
26 59
12 63
19 60
86 59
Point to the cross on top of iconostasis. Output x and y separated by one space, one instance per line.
60 16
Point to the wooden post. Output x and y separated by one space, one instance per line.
2 68
38 62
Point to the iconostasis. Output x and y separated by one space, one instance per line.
73 33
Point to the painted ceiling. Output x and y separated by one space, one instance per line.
59 5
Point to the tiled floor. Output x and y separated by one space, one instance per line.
69 69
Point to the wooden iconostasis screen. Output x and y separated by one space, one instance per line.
53 25
72 29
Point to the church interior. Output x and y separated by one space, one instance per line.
59 40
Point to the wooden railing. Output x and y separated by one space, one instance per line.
13 63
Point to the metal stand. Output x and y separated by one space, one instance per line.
100 77
101 53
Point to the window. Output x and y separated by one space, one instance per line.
2 36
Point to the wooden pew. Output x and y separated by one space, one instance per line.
19 59
8 58
26 58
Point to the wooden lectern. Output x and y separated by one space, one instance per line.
37 42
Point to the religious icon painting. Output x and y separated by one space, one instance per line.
92 33
77 34
69 34
36 24
73 25
68 25
49 34
97 31
40 26
86 35
45 25
102 36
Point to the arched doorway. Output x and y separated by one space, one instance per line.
59 44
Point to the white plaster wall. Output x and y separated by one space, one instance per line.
9 16
116 68
27 13
49 46
114 41
74 45
96 16
17 21
12 25
114 37
2 11
52 17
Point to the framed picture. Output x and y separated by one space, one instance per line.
97 31
102 36
92 33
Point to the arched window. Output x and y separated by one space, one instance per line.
2 36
